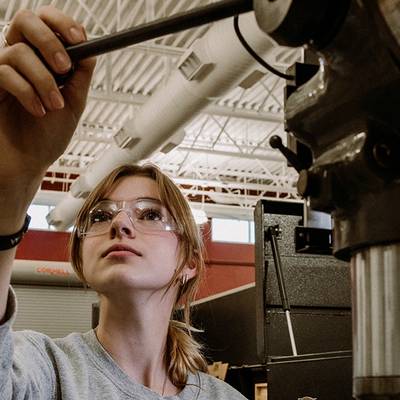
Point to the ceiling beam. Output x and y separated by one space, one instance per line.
213 109
213 173
267 156
230 185
245 199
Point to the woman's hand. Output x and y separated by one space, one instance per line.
37 119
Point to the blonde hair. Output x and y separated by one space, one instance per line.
183 352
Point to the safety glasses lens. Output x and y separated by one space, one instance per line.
145 215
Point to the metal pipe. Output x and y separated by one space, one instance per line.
160 27
376 322
291 334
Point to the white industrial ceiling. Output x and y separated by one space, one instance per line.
224 158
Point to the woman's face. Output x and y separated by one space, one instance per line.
141 260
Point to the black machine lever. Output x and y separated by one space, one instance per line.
151 30
294 160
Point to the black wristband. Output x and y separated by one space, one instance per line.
10 241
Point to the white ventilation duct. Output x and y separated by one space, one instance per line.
37 272
212 66
65 212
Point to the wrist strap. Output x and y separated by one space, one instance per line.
10 241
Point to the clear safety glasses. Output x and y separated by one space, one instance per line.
146 215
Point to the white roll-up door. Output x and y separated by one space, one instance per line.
53 310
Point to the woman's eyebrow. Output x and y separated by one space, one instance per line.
149 198
134 199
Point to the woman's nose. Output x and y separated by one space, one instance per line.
122 225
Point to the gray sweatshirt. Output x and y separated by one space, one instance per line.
36 367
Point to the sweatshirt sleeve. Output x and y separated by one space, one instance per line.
26 371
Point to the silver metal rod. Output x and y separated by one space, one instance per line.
376 320
290 328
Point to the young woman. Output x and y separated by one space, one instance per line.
135 243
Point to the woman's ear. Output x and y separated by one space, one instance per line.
190 271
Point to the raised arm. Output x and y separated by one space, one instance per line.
37 119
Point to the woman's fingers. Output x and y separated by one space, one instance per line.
70 30
72 33
12 82
44 32
32 29
23 60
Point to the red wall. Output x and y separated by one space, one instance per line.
44 245
228 265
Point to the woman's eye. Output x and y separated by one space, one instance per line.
150 215
100 216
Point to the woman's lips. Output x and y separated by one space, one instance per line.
120 250
120 254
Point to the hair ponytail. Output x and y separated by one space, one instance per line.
183 353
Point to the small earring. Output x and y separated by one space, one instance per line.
184 279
